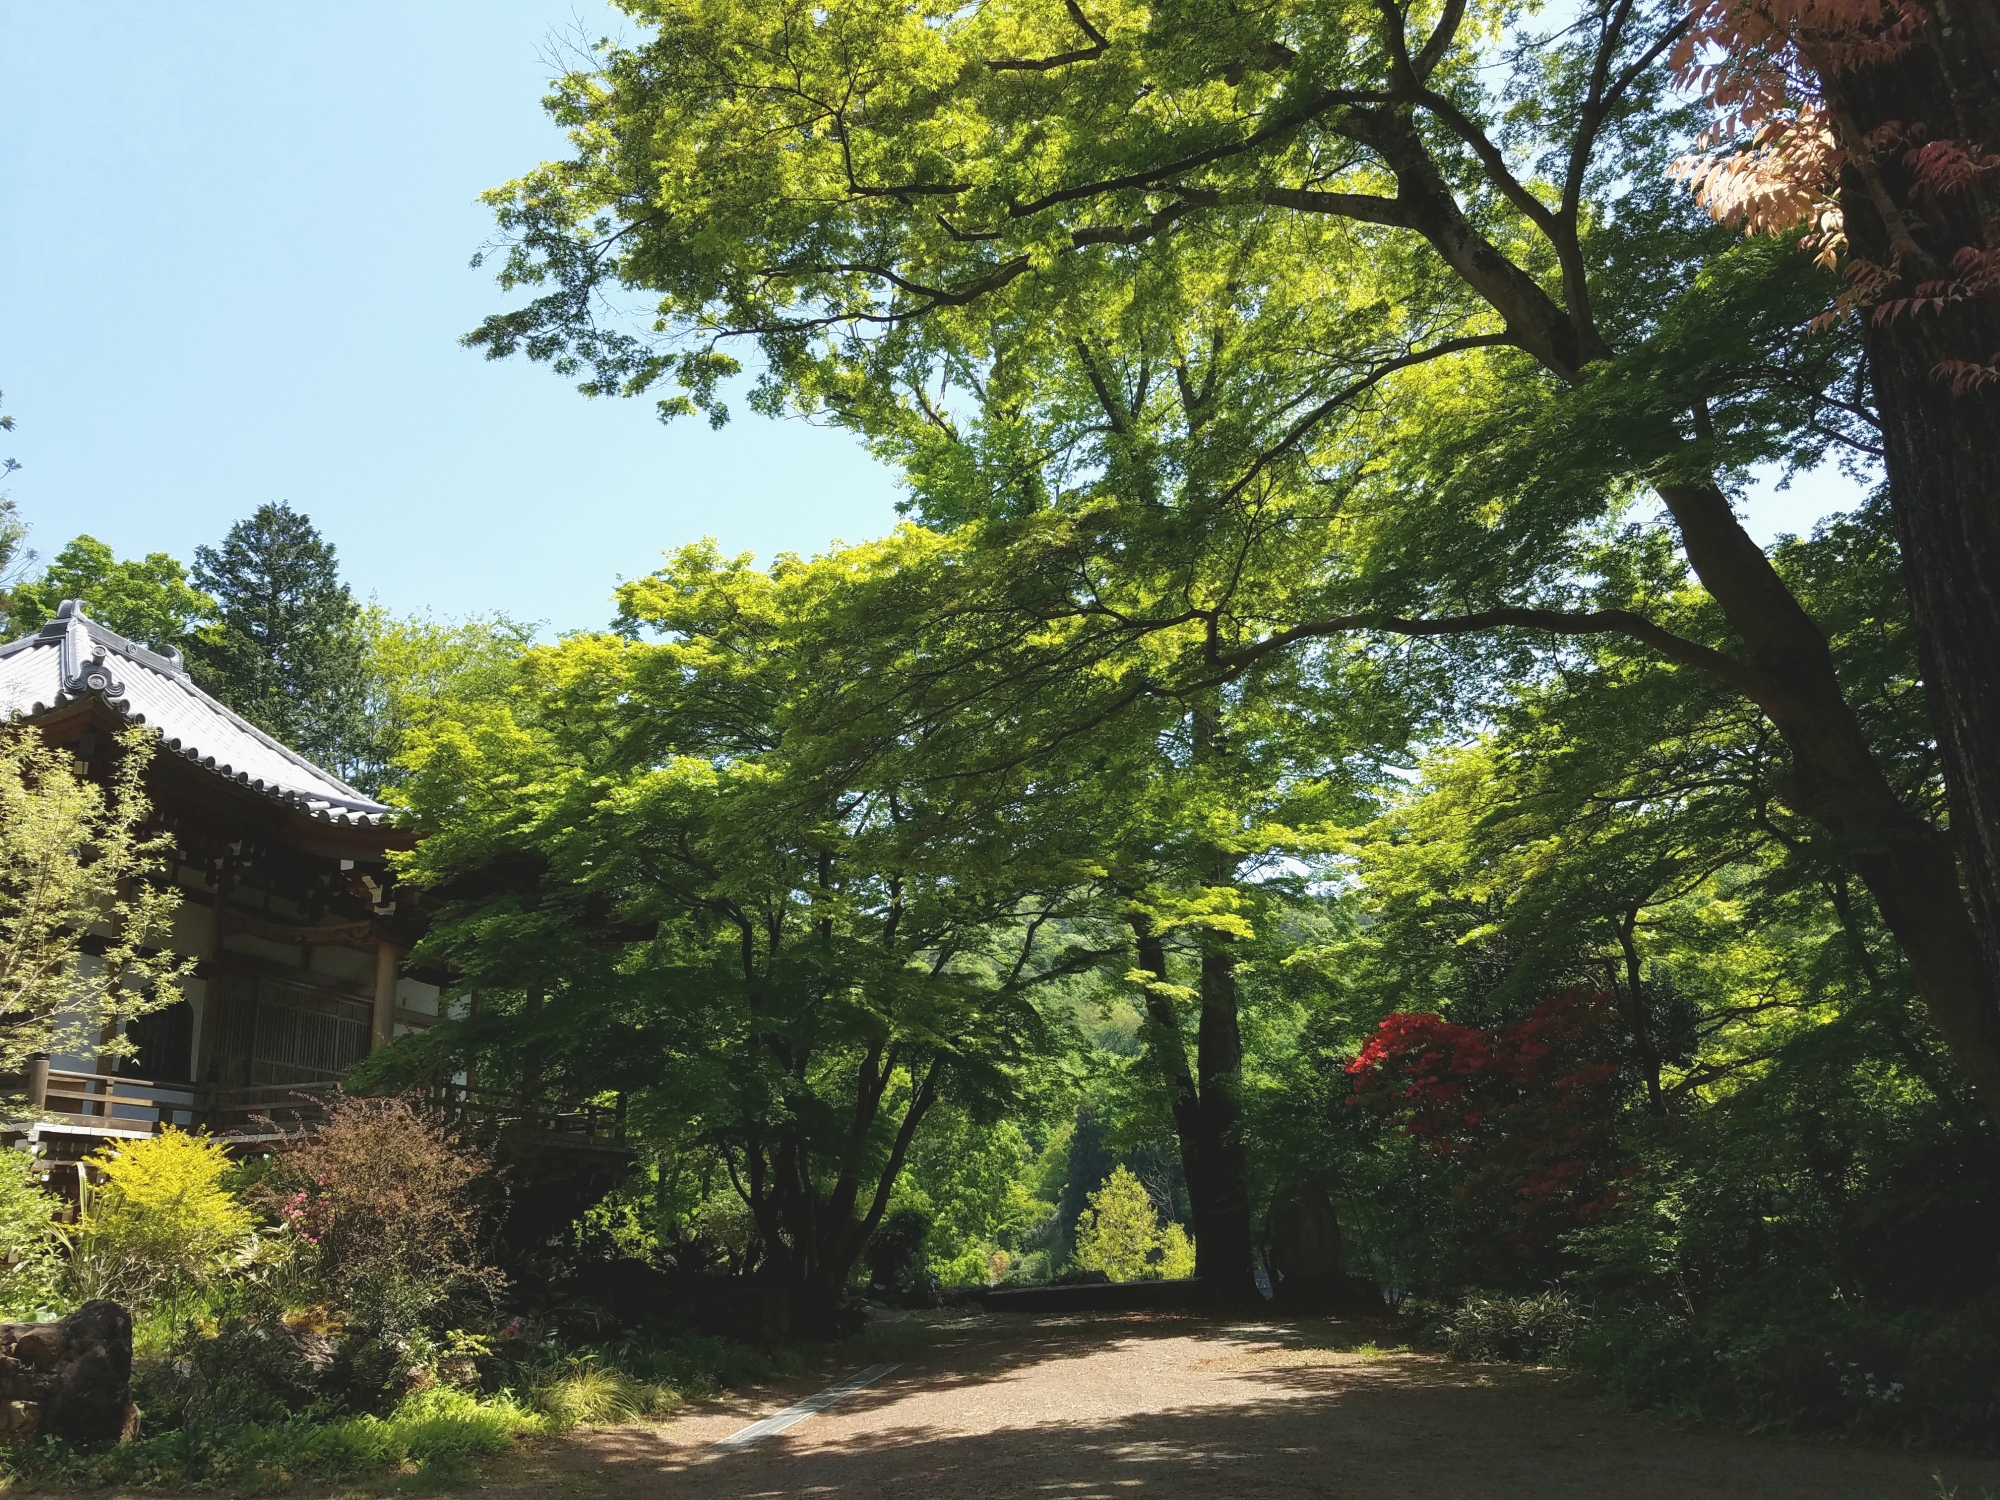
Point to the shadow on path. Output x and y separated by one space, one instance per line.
1171 1405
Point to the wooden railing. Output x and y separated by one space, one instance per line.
481 1112
117 1102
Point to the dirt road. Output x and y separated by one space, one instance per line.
1160 1405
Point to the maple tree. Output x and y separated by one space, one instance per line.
1527 1109
1298 298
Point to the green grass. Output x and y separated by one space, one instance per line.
590 1394
432 1437
434 1433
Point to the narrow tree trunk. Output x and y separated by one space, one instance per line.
1170 1056
1637 1014
1225 1256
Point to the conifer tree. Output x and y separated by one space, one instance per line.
286 648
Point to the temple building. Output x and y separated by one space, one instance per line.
288 904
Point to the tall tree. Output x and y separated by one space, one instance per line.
1873 126
1517 333
285 650
418 670
661 887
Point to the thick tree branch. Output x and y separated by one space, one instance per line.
1310 110
1301 428
1062 60
1560 622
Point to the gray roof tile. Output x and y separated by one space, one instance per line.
73 657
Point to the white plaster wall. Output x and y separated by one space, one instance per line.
415 995
343 962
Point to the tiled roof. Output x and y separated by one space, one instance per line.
73 657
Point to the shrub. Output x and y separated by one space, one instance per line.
1774 1359
157 1220
381 1203
1031 1269
1534 1330
1119 1233
1176 1253
29 1264
895 1257
435 1431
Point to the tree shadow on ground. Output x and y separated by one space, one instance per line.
1249 1408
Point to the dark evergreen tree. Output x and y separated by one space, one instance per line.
286 648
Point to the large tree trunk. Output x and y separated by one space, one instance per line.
1170 1057
1942 443
1208 1117
1907 865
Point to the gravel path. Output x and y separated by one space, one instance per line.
1162 1405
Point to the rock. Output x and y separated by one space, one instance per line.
70 1379
20 1419
1305 1253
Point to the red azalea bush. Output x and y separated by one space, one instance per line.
1523 1115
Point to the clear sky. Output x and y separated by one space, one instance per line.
234 246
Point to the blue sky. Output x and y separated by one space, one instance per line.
234 247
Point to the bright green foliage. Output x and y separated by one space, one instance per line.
29 1266
1176 1253
147 599
433 1433
286 647
419 671
1119 1234
1230 331
157 1219
786 955
73 854
974 1182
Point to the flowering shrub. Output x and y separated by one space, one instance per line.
1525 1112
381 1207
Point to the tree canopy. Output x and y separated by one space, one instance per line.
1473 319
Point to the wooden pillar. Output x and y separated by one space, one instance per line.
38 1081
471 1065
385 995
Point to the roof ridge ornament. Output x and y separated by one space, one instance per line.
84 668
